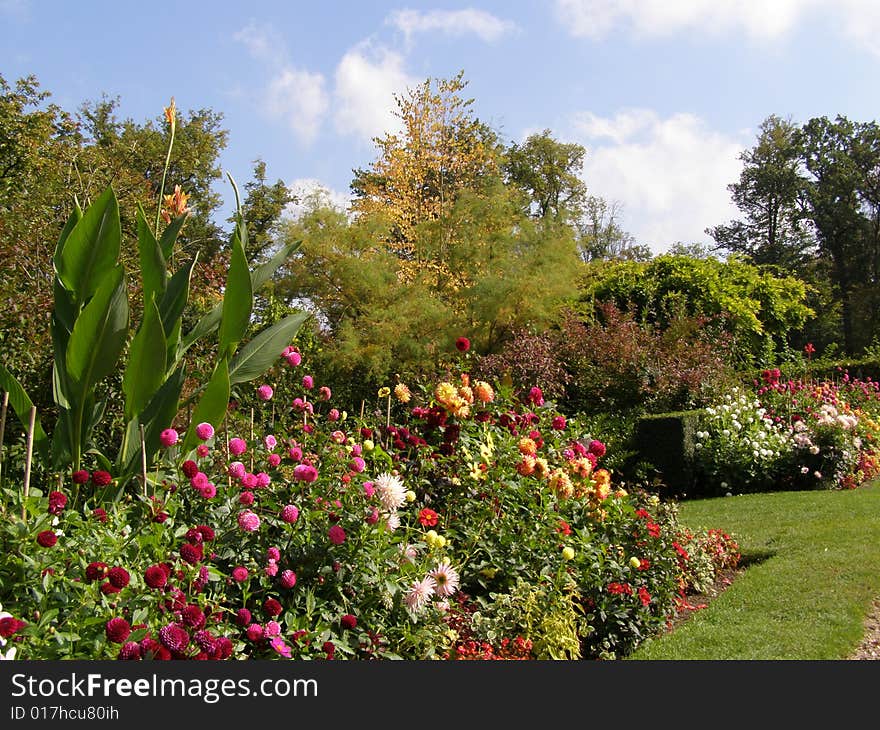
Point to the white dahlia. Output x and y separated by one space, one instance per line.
391 491
446 579
420 593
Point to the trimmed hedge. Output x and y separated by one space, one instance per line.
666 442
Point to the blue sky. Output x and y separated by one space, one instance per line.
664 95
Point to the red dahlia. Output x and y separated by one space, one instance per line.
57 503
192 554
9 625
117 630
348 621
94 571
174 638
47 538
189 468
81 476
272 607
193 616
155 576
207 532
130 650
101 478
119 577
462 344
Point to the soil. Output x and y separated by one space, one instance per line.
868 649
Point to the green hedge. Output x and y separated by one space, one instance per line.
666 442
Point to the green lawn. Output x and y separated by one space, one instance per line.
814 568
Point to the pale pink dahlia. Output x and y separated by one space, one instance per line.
420 593
391 491
446 579
248 521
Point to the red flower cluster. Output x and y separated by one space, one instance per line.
620 589
57 503
517 649
9 625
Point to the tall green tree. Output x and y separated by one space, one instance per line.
548 173
842 161
770 193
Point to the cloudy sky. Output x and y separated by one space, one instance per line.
664 94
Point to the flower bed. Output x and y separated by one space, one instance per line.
478 526
790 434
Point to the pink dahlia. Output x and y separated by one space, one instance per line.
248 521
290 514
237 446
288 579
168 437
204 431
420 593
337 535
265 392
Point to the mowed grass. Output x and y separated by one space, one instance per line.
813 569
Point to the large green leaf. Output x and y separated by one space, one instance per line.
173 301
75 215
259 276
153 268
99 334
169 235
22 405
238 301
91 249
212 406
145 371
264 350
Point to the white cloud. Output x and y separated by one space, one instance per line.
757 18
671 175
484 25
858 20
367 79
263 43
310 191
861 22
295 96
298 97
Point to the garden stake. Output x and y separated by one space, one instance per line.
144 460
27 463
226 431
3 430
362 410
252 439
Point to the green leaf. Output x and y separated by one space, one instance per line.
238 301
212 406
169 235
154 270
259 276
145 371
258 355
22 404
91 249
173 301
99 334
74 218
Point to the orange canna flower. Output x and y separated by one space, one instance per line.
171 113
175 204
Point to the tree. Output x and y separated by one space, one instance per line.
547 171
600 234
842 159
263 207
419 173
770 194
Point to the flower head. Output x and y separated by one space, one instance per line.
168 437
336 535
265 392
391 491
117 630
462 344
47 538
237 446
419 593
248 521
57 503
446 579
205 431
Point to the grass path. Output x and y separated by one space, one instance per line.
806 596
